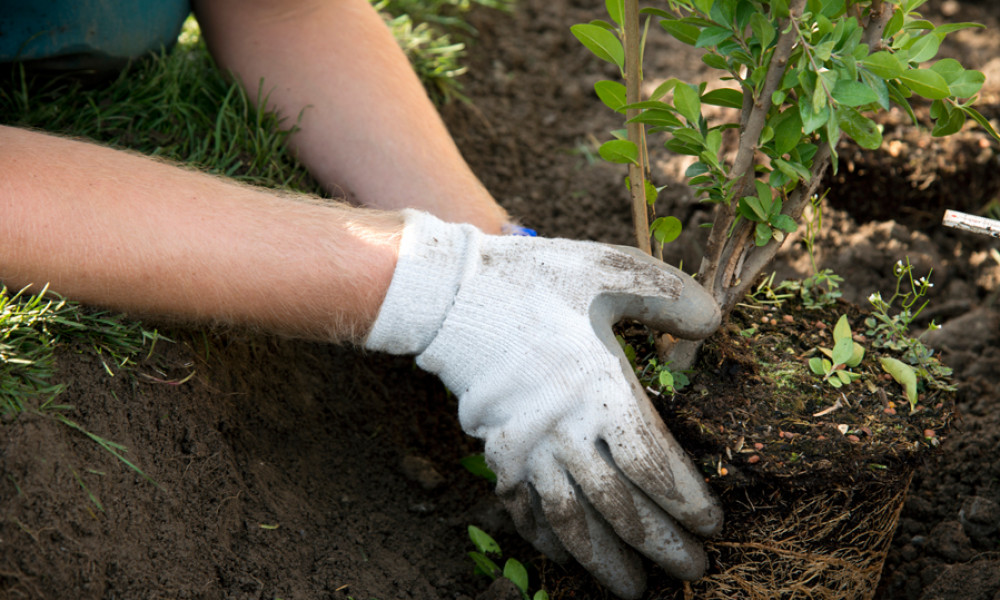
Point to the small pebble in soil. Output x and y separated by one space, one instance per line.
979 516
754 459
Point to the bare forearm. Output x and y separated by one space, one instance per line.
368 128
127 232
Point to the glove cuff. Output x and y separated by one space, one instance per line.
432 256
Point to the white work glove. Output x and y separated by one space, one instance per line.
520 330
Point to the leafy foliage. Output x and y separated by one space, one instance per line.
802 74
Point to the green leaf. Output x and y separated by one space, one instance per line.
951 122
766 198
953 27
651 192
793 170
484 565
844 377
842 330
516 572
713 142
929 84
816 365
656 118
904 376
884 64
967 84
712 36
476 464
811 121
860 128
601 42
605 25
857 356
698 168
779 8
612 94
615 9
843 349
835 382
762 29
751 208
724 97
949 68
666 379
619 151
690 135
983 121
787 131
925 48
715 61
662 89
540 595
666 229
685 32
784 223
482 541
878 85
687 102
894 25
762 234
853 93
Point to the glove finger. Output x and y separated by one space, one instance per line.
644 449
659 295
588 537
639 521
525 508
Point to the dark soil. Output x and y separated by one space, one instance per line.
295 470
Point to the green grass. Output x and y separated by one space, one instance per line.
174 105
178 106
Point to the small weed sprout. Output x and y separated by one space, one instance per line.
512 569
889 327
846 354
822 288
655 376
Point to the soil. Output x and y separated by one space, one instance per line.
286 469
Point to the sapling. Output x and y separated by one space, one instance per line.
800 74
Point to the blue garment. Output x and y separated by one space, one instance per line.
66 35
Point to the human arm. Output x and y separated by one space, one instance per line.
518 328
368 129
131 233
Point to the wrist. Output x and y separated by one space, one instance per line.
431 260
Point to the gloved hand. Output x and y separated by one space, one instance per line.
520 330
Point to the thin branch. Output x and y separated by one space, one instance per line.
753 119
759 258
633 94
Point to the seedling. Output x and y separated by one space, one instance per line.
846 354
889 328
655 376
822 288
512 569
